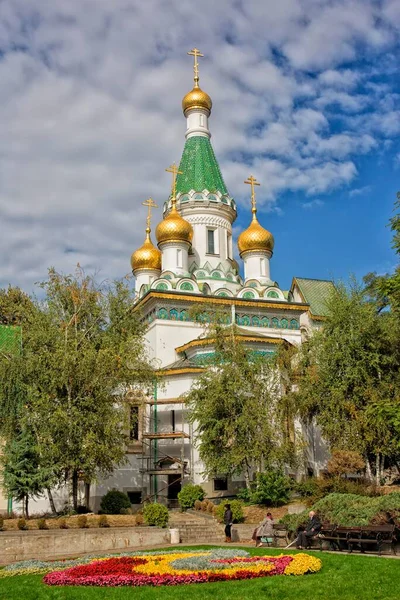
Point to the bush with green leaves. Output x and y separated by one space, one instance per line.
351 510
236 508
272 488
113 501
316 488
189 494
245 495
156 514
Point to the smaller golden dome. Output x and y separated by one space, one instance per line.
147 256
196 99
255 238
174 228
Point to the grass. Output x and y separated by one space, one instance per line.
342 577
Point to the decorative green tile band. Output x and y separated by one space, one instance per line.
247 320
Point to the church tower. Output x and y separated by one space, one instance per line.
202 197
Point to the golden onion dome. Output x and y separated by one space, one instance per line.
147 256
196 99
174 228
255 238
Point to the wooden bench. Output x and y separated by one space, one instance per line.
280 533
373 535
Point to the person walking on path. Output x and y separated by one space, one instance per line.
312 529
228 520
265 530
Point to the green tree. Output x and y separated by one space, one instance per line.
23 475
234 405
348 371
82 352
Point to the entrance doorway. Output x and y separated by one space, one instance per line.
174 486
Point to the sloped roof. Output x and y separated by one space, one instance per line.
200 169
316 293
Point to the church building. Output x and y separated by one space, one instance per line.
191 267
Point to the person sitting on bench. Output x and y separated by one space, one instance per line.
265 532
312 529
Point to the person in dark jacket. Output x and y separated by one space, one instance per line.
312 529
228 520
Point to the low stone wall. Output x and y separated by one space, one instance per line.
56 543
242 532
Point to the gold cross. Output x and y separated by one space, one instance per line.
150 204
174 169
195 52
252 181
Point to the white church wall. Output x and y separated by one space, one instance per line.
164 336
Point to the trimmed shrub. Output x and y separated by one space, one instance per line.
62 523
236 508
189 494
351 510
103 522
113 501
21 524
316 488
272 488
204 504
42 524
244 494
156 514
82 522
197 505
210 507
139 519
126 511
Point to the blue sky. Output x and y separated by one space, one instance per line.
306 97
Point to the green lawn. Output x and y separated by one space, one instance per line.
343 577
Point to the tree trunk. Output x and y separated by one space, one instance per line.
26 503
87 494
51 500
368 470
247 475
377 469
75 489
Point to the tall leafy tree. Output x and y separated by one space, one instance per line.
81 353
234 406
348 373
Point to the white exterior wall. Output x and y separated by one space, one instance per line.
145 277
254 268
175 257
197 123
201 220
164 336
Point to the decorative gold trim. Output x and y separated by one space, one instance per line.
211 341
166 372
227 301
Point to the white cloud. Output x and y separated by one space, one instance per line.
312 204
90 112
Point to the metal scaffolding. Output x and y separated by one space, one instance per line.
153 457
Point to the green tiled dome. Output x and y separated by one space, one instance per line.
200 170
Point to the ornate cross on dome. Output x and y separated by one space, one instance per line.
174 169
252 181
195 52
150 204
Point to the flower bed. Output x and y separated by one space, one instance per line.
176 568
